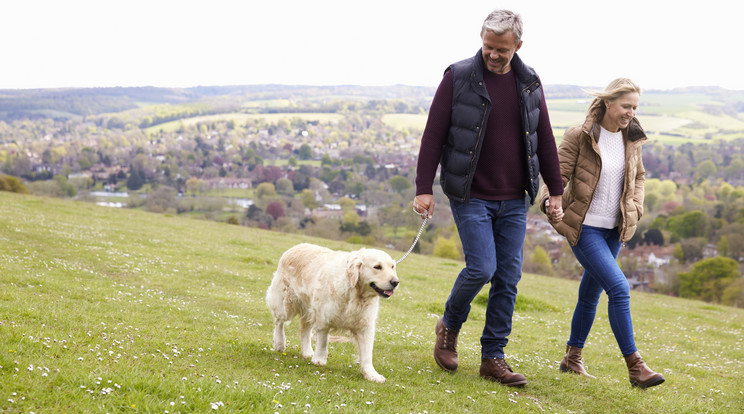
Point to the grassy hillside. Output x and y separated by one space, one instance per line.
108 310
242 118
668 118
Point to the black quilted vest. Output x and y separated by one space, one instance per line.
471 106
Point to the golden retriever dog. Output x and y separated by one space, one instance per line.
331 290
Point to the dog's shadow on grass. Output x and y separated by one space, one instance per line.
343 359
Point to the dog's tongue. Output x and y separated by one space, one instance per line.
389 292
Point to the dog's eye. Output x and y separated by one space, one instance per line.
378 267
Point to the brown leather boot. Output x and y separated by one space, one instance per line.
641 375
445 348
572 362
496 369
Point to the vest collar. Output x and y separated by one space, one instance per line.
522 72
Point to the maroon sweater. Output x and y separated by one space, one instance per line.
501 171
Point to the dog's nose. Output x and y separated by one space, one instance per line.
394 282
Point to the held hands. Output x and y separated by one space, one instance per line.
423 204
554 209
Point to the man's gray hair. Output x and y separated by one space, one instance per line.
501 21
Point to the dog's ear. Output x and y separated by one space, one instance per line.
353 267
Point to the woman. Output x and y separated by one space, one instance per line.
603 178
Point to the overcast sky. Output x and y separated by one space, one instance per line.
79 43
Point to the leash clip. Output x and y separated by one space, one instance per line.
423 215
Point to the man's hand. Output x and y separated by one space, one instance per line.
423 204
554 208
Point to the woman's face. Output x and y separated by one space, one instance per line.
620 111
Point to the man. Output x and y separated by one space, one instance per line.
489 128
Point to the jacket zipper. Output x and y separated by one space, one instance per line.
634 146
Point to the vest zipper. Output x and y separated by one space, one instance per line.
471 170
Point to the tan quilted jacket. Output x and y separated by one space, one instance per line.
580 166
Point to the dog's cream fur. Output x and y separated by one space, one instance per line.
330 289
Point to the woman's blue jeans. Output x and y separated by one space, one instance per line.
597 251
492 235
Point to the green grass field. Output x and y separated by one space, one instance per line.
109 310
406 121
242 118
669 118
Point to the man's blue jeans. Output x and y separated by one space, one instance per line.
492 235
597 251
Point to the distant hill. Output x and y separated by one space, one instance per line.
669 116
81 102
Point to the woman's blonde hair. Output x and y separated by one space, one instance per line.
614 90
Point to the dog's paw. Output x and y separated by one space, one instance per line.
319 361
307 351
374 377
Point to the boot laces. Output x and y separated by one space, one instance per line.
502 365
450 339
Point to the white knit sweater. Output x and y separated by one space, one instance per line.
604 211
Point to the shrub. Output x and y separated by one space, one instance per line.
539 262
355 240
446 248
12 184
709 278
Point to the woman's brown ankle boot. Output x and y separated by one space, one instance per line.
641 375
572 362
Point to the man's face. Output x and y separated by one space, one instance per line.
498 51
